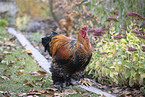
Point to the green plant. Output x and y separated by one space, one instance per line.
3 23
123 62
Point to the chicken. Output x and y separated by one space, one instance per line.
70 57
66 25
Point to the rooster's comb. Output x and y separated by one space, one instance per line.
85 27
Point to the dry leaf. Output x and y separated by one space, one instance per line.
12 62
7 53
12 38
48 94
5 70
9 65
22 67
4 77
15 82
115 90
29 52
35 74
25 81
21 95
51 89
42 72
29 84
19 73
10 44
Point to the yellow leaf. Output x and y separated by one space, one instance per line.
131 23
15 82
117 68
123 41
99 44
42 91
135 58
25 75
19 73
91 23
29 52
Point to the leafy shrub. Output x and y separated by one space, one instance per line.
3 23
119 58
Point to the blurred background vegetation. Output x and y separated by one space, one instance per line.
119 53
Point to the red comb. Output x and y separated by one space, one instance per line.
85 27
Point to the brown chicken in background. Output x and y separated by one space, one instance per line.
70 57
66 25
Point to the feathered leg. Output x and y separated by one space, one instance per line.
57 76
78 75
60 78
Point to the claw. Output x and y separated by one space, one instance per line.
86 81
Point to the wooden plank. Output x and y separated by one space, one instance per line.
35 53
45 64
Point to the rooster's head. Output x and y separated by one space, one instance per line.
84 31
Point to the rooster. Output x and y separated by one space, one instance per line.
70 57
66 25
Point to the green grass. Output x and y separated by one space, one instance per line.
11 67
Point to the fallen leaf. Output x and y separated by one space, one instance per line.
33 93
10 44
29 84
5 70
42 72
25 81
19 73
22 67
7 53
21 95
67 92
29 52
115 90
9 65
48 94
15 82
12 62
35 74
51 89
4 77
12 38
25 74
42 91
